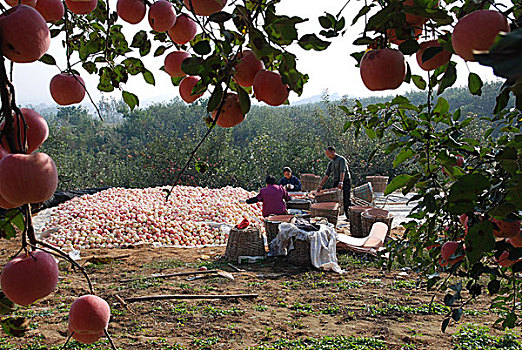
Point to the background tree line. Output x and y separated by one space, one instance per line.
148 147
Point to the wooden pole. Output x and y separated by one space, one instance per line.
190 296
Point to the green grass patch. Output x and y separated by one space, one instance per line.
472 336
326 343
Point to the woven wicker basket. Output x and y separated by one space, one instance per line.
371 216
247 242
328 210
354 213
300 255
329 195
272 225
301 204
364 192
379 183
310 182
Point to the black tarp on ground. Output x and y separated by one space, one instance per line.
60 197
64 196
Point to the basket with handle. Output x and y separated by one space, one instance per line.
310 182
272 225
328 210
364 192
354 214
371 216
246 242
379 183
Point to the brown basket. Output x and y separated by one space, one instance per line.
301 204
300 255
247 242
310 182
330 195
328 210
354 214
272 225
379 183
371 216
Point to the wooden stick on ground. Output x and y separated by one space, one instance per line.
190 296
170 275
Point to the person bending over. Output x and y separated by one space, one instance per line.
289 181
273 196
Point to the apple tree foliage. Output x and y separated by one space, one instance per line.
427 136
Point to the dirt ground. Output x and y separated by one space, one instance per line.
292 303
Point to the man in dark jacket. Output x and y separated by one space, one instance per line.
338 169
289 181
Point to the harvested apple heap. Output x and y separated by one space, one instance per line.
118 216
385 68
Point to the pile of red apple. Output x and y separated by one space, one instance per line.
117 217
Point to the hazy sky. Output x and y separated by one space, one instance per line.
332 69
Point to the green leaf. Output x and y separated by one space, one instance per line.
201 167
362 12
409 47
502 101
202 48
442 106
160 51
510 320
465 191
475 84
15 326
215 99
220 17
90 67
449 77
130 99
479 240
148 77
48 59
431 52
404 154
397 182
193 65
418 81
325 22
312 42
6 305
17 218
505 56
244 100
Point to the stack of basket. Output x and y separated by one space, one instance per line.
246 242
371 216
300 255
379 183
354 214
310 182
331 195
328 210
272 225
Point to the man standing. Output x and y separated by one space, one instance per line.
338 169
289 181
